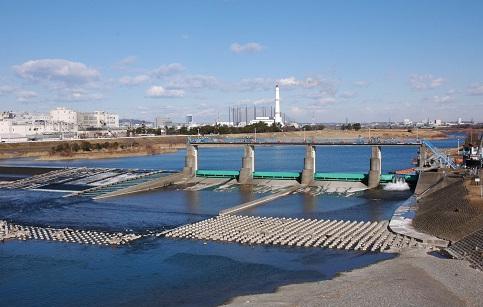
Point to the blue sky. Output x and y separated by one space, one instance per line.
361 60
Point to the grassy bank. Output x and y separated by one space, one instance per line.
93 148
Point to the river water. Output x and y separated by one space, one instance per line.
180 272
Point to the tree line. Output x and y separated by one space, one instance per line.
259 127
87 146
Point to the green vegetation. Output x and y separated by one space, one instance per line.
259 127
355 126
66 148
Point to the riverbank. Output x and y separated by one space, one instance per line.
91 155
447 211
414 278
96 149
352 134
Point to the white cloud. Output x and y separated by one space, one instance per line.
443 99
251 47
78 95
57 71
475 89
324 101
24 95
253 84
347 94
166 70
361 83
288 82
136 80
425 82
125 63
6 89
261 83
308 82
260 101
192 82
129 60
161 92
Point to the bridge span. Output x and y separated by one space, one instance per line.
308 174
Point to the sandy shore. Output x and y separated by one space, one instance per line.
412 279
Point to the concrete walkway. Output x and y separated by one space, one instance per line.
260 201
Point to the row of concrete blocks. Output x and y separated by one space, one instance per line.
13 231
43 179
340 234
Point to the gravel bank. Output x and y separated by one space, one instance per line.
412 279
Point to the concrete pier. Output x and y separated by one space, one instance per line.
375 168
309 165
248 165
191 160
340 234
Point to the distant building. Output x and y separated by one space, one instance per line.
63 115
220 123
438 122
162 122
97 119
189 119
264 119
407 122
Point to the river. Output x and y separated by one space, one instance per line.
155 272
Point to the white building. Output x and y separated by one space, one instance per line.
64 115
161 122
97 119
267 120
25 128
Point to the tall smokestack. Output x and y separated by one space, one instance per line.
278 117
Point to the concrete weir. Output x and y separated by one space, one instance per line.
9 231
340 234
260 201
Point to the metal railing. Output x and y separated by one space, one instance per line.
443 158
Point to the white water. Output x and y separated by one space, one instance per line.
399 185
